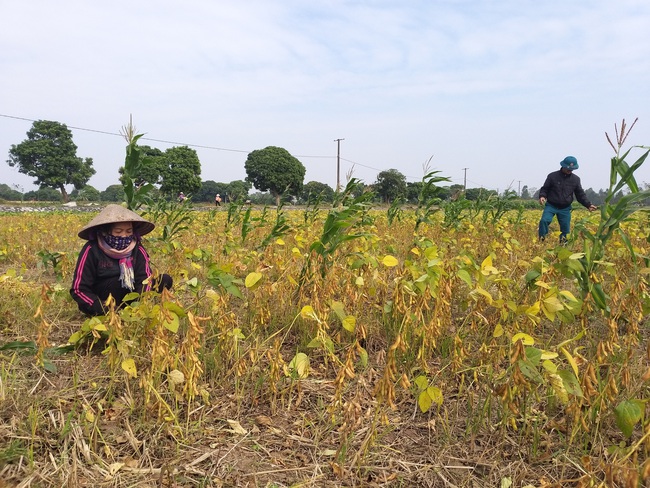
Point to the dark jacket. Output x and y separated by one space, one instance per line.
97 275
559 189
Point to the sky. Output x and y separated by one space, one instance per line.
490 93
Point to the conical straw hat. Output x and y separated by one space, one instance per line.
112 214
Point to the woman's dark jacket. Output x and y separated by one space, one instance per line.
97 276
559 189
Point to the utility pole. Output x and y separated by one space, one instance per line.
338 163
465 180
519 192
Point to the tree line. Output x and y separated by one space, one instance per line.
49 155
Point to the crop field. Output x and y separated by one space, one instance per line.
340 346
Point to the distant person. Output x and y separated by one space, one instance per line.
217 200
557 196
113 261
181 197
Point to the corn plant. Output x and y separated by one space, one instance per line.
312 209
279 229
136 192
349 212
497 206
174 216
454 211
395 211
428 201
611 216
250 222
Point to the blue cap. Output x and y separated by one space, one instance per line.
569 163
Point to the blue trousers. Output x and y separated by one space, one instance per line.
563 218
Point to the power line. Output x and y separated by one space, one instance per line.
142 138
217 148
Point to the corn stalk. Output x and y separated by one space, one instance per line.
611 216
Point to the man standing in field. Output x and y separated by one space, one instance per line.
557 196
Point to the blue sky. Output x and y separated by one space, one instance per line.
503 88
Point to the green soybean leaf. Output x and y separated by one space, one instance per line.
628 413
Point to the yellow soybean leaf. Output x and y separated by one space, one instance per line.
572 361
533 310
569 295
549 366
415 251
435 393
525 338
279 241
421 382
170 321
548 355
307 312
100 326
76 337
339 310
424 401
128 365
553 304
349 323
359 281
299 366
389 261
483 292
252 280
498 331
558 387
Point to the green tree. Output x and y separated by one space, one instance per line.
315 189
44 195
181 171
208 191
86 194
112 193
238 190
262 198
390 184
479 193
49 155
275 170
456 191
7 193
413 192
150 170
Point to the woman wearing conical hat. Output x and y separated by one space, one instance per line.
113 261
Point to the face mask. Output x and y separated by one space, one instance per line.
118 243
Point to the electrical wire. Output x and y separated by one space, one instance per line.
216 148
